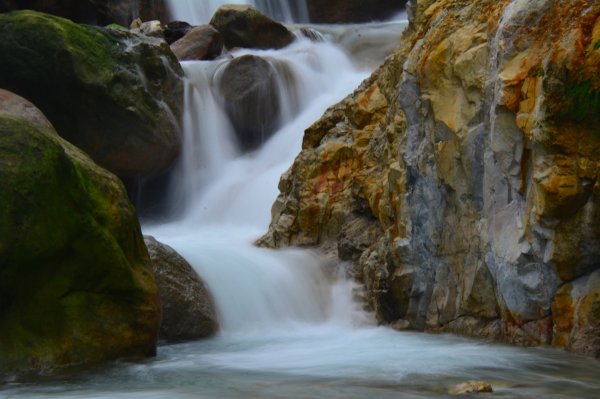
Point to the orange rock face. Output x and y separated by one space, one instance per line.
462 178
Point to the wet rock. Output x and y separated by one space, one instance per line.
579 300
12 104
249 88
136 24
471 387
116 95
311 34
187 307
401 325
244 26
200 43
76 285
152 28
175 30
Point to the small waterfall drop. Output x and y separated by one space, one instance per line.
199 12
227 195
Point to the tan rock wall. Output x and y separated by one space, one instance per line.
461 179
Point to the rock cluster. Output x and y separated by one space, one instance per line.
462 178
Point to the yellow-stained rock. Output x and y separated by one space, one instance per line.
462 179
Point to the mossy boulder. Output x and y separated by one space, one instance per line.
114 94
76 285
98 12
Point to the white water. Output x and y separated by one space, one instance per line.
288 331
198 12
227 196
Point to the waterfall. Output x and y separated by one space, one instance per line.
227 195
199 12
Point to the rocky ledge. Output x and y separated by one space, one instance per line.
462 178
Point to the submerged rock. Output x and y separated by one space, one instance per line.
462 178
76 285
200 43
249 88
471 387
187 307
244 26
116 95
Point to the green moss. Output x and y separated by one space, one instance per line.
597 45
582 101
36 43
117 27
104 90
70 289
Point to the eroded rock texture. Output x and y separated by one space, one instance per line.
462 178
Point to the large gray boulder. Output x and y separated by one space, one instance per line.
244 26
188 311
248 85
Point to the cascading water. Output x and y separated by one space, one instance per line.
227 197
199 12
289 329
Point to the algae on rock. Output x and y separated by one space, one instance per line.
76 285
116 95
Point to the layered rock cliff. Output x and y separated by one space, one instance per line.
461 180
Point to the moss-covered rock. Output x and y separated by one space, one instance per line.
75 279
114 94
98 12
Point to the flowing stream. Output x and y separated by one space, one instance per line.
289 326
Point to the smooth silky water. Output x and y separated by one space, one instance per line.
289 325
